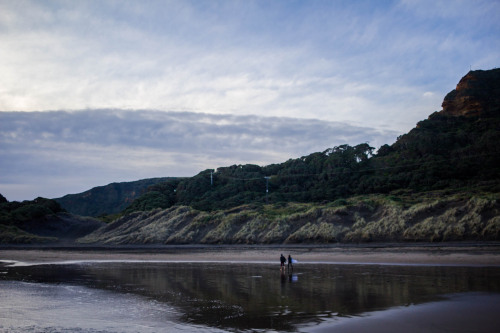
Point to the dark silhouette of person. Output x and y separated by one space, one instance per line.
290 262
283 261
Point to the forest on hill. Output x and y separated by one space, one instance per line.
442 152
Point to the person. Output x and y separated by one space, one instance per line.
290 262
283 261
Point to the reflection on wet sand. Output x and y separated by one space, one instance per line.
260 296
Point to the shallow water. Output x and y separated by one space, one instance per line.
213 297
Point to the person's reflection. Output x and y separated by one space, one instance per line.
283 276
293 278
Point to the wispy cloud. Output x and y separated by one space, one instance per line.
324 60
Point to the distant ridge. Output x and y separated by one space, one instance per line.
107 199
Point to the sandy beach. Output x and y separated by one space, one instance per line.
460 255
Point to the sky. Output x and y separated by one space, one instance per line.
95 92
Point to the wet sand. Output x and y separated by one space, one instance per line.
460 255
476 312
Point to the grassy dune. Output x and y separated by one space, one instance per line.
424 217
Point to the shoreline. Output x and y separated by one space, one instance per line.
462 254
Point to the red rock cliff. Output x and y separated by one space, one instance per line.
477 93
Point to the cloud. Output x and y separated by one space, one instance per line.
94 147
357 62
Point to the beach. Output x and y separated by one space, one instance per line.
375 287
393 254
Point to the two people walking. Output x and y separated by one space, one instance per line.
283 262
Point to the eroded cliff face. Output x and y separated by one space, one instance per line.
477 93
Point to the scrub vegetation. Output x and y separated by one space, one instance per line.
371 218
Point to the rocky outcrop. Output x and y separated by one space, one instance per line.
476 94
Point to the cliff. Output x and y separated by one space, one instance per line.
477 93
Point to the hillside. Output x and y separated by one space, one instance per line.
41 221
360 219
439 182
108 199
455 148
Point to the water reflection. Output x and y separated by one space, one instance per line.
259 296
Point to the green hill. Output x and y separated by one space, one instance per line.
455 149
